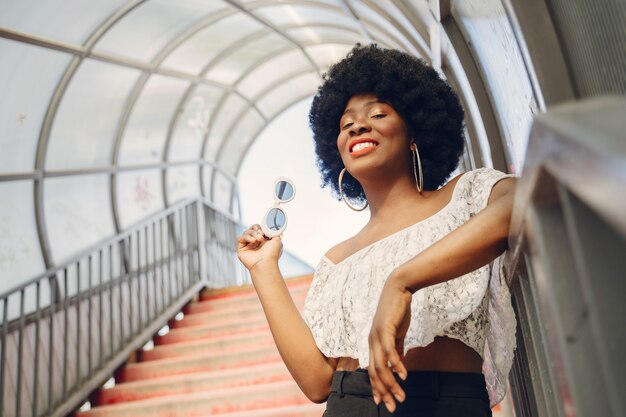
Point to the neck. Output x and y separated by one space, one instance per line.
390 198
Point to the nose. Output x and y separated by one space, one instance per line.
359 127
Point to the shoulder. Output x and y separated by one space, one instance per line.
485 185
346 248
340 250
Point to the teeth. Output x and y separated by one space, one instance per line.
362 145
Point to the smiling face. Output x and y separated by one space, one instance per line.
372 135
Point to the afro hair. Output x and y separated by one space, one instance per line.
428 105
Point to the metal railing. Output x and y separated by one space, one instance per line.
567 264
66 331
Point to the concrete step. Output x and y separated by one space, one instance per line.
218 360
234 302
217 344
304 410
233 321
294 284
190 383
234 313
187 334
205 362
228 400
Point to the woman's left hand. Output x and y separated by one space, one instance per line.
386 343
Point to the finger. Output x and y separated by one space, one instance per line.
385 355
390 402
374 381
255 234
378 367
384 379
394 362
250 236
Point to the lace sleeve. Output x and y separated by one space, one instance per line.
500 335
482 182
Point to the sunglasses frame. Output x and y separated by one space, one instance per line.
277 205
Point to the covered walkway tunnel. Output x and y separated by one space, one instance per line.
124 125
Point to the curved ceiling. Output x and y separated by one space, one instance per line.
115 109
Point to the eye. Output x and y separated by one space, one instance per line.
346 125
378 116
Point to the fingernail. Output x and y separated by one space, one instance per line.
376 399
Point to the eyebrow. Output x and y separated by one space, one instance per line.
369 103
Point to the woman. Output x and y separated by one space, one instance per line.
407 315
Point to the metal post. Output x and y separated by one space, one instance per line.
37 326
5 329
78 330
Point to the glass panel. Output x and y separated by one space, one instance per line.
387 31
383 39
239 140
486 27
290 14
403 22
84 127
272 71
70 21
229 69
207 177
192 123
26 92
182 182
144 137
139 194
20 253
224 118
222 191
78 213
297 88
315 35
194 54
326 55
146 30
330 2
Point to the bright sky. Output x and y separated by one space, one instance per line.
316 221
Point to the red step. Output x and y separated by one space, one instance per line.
234 302
236 312
305 410
219 359
228 342
198 363
294 284
208 331
186 384
208 403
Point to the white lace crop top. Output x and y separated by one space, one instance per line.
474 308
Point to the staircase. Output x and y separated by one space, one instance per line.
218 359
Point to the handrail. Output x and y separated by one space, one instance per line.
566 263
126 286
95 247
83 317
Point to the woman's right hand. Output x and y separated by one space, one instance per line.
254 249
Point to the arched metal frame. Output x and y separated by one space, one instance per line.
415 39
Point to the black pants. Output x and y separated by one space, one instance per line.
428 394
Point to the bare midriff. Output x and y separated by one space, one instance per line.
443 354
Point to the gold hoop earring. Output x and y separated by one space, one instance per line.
343 171
417 168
